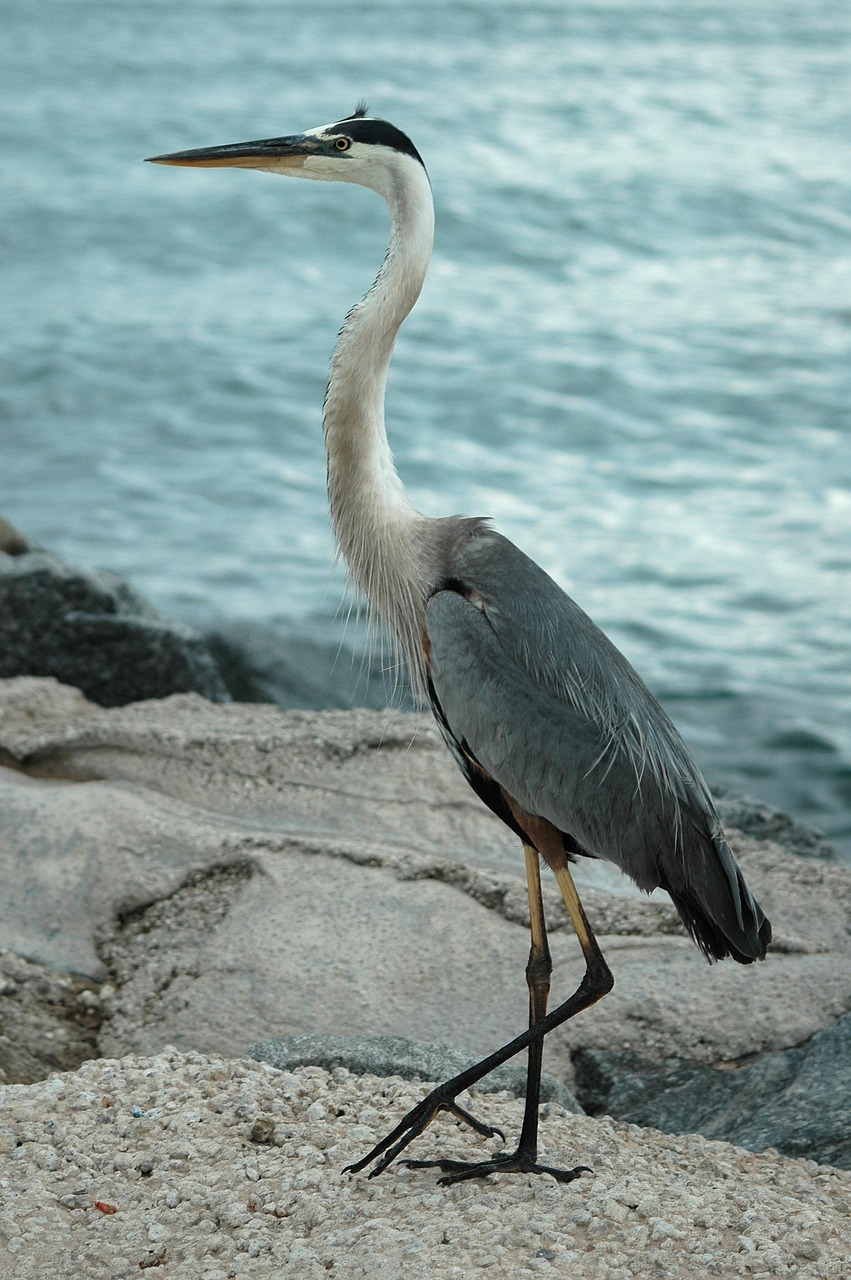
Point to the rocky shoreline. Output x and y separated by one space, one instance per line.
322 886
91 629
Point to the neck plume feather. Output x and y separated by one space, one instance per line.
377 529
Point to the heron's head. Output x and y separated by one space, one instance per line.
357 149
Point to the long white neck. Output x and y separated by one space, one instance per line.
375 525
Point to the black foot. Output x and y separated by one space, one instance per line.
461 1170
413 1124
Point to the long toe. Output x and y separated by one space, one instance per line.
486 1130
461 1170
413 1124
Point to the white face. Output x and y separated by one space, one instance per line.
386 162
341 158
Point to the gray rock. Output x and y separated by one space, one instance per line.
238 872
359 829
398 1056
92 631
48 1021
764 822
798 1102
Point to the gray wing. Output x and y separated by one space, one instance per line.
527 688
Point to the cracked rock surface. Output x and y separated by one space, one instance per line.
240 873
48 1021
232 874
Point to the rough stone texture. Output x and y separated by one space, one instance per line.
755 818
48 1021
76 857
207 1169
239 873
92 630
396 1056
798 1102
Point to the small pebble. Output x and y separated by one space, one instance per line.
190 1202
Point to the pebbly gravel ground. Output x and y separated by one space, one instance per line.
214 1169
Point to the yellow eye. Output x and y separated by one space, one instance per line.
342 144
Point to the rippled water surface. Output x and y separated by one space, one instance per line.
632 350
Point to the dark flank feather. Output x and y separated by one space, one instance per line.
538 704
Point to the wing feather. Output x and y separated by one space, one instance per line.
555 714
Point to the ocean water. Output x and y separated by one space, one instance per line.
633 350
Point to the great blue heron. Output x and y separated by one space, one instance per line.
549 723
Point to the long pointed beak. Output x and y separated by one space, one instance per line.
266 153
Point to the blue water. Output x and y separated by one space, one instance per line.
633 350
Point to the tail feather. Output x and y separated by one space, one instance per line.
714 943
718 908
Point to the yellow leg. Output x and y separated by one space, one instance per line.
578 918
538 971
595 983
540 964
